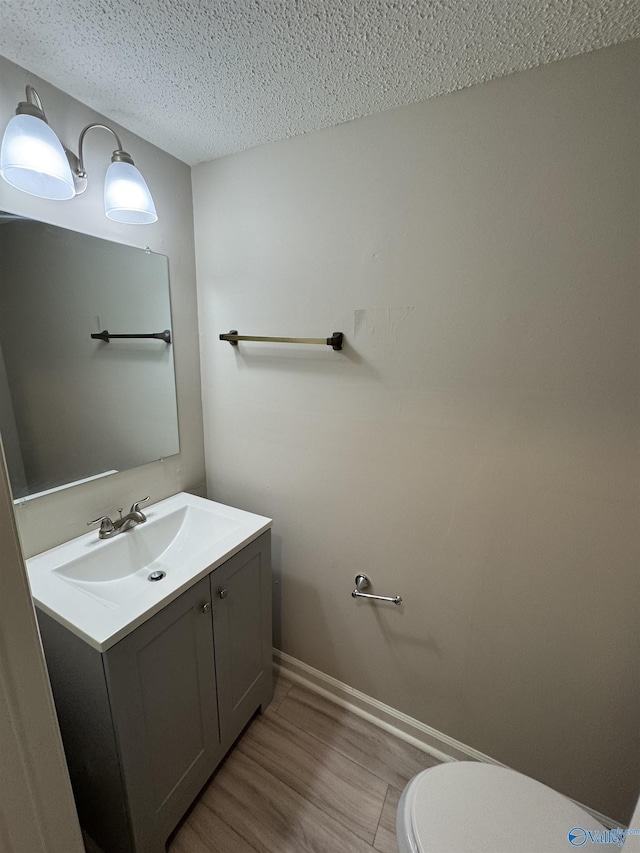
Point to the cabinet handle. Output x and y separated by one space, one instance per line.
223 593
206 608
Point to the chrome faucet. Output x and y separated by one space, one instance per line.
109 528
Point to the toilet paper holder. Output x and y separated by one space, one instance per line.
363 582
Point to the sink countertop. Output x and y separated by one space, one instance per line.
99 588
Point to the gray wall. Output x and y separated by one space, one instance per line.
475 447
37 810
47 521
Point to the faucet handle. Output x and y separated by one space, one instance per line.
135 506
106 525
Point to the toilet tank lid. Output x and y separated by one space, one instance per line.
480 808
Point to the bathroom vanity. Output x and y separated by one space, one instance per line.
146 719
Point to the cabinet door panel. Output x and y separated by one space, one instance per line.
175 724
161 682
242 631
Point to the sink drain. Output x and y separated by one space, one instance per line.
156 576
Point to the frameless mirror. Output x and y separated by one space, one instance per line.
73 406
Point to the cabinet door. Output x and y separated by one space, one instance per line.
241 593
161 681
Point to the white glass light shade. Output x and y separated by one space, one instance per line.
33 159
127 197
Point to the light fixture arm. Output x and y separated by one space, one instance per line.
32 106
118 156
33 96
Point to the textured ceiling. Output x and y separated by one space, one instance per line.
203 79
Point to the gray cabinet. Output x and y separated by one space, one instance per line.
145 723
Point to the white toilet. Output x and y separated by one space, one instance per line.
469 807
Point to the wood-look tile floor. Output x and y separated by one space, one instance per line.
306 776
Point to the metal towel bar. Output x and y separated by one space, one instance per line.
334 341
363 582
106 336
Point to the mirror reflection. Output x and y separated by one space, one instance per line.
74 407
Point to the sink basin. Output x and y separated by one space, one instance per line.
101 589
121 569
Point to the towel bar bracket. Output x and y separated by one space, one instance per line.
335 340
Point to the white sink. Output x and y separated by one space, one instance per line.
100 588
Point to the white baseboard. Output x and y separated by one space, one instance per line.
418 734
435 743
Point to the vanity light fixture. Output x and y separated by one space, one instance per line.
33 160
